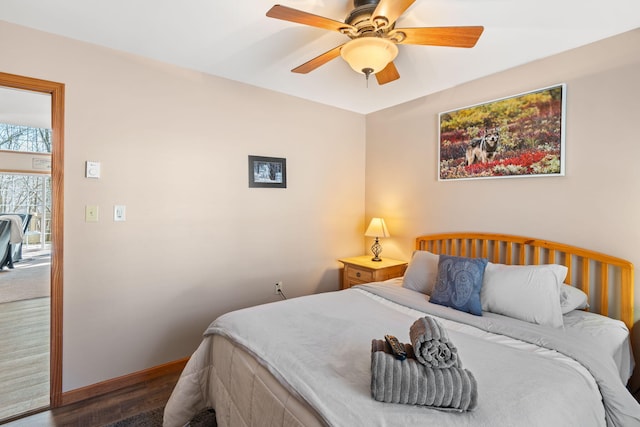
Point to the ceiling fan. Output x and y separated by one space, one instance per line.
371 27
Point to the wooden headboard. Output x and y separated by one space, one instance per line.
603 278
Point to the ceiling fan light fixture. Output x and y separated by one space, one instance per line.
369 53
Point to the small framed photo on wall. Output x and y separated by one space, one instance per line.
267 172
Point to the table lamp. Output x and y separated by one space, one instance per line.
377 228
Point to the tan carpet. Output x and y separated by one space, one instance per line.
29 279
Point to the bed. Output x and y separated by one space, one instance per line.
551 346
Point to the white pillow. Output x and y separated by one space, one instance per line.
422 272
572 299
526 292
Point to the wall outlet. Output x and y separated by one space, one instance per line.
278 288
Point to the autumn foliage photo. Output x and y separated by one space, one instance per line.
517 136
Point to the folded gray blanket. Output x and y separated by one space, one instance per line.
431 344
410 382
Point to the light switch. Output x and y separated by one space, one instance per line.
92 170
91 213
119 213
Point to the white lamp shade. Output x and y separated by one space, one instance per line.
377 228
369 52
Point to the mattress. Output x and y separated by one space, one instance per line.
288 379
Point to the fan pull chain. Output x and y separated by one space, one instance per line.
367 72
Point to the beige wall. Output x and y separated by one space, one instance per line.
596 205
197 241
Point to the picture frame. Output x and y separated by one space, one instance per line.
517 136
267 172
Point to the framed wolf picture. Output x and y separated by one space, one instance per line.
518 136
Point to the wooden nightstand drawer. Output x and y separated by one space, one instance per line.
362 269
354 273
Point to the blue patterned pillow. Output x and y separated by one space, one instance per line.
459 282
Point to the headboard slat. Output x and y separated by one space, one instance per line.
604 290
626 295
504 248
586 276
536 255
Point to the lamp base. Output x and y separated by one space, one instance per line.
376 248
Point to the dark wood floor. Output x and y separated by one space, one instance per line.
106 409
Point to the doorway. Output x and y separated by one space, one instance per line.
25 301
56 94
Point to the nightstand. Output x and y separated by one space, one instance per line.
361 269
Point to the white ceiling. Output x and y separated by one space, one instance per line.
24 108
234 39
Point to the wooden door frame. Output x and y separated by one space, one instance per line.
56 90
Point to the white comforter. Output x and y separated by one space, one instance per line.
319 348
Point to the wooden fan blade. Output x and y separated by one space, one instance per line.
318 61
391 10
388 74
293 15
441 36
